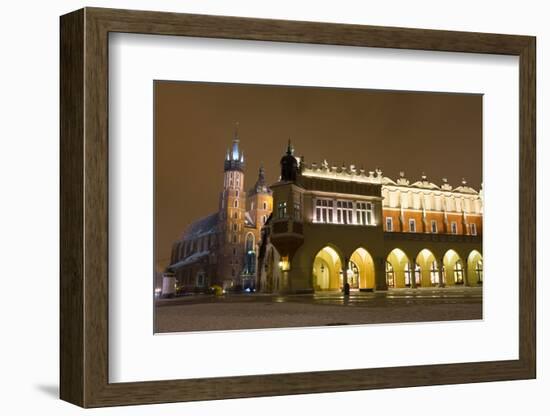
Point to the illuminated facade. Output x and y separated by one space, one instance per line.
222 248
336 225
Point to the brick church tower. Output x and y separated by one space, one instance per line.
232 216
260 200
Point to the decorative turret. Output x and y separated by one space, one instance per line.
289 165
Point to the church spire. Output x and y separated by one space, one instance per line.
234 159
235 153
261 185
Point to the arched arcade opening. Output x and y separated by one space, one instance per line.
475 268
453 269
429 268
361 270
399 272
327 267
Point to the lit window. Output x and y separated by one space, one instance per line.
409 274
479 271
250 255
369 213
458 273
389 224
281 210
363 213
434 273
412 225
390 275
454 228
323 210
434 226
344 212
473 229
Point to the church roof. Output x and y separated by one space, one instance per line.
193 258
203 226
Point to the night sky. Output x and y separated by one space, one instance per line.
435 133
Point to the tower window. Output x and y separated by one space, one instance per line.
237 192
265 205
235 215
236 203
389 224
412 225
234 227
434 226
234 238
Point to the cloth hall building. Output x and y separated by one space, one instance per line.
333 226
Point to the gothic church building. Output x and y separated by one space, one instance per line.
221 248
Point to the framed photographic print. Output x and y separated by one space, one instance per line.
256 207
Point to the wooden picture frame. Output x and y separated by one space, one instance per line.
84 207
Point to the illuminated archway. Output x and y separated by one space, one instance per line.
429 268
475 268
327 267
398 269
453 268
361 270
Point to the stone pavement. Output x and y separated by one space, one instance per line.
255 311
